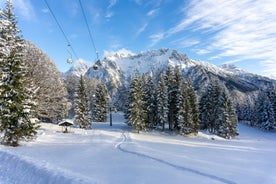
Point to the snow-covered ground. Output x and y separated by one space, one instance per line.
117 155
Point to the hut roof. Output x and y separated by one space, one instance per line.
66 122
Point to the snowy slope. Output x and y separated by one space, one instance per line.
117 155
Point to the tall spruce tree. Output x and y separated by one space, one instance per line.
216 111
209 105
82 111
184 114
226 120
162 102
137 114
100 104
264 112
188 115
150 99
271 93
178 80
15 106
170 83
194 107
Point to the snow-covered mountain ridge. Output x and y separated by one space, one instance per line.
116 70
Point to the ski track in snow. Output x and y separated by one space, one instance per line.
183 168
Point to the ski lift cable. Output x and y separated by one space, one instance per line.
60 27
89 31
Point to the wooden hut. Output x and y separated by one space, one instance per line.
65 124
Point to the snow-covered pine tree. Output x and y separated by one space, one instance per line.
100 104
194 106
226 121
209 105
232 118
150 99
137 115
265 113
185 122
188 115
271 92
247 110
82 111
172 97
178 80
144 90
15 106
162 102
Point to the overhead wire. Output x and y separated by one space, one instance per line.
61 29
88 28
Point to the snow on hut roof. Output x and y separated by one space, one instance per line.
66 122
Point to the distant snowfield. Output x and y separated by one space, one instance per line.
117 155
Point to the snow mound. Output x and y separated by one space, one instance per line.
24 170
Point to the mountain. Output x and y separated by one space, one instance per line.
117 69
79 68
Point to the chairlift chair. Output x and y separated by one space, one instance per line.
69 60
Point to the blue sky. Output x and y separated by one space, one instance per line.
242 32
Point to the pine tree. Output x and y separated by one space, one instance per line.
226 120
188 115
15 107
233 119
162 102
184 114
82 112
194 107
271 92
247 111
264 111
209 106
217 113
178 80
100 104
137 114
150 99
170 83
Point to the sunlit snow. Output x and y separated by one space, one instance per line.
117 155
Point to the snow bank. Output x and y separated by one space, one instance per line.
15 169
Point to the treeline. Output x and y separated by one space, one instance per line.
88 99
259 111
171 103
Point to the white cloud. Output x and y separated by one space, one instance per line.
155 38
111 3
109 14
25 9
202 51
152 12
185 42
142 29
270 68
234 28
